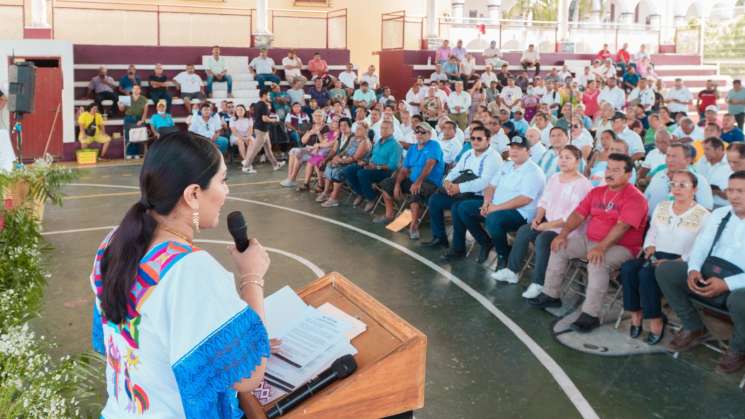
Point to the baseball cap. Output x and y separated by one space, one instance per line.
519 141
713 108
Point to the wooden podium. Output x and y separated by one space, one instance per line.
391 360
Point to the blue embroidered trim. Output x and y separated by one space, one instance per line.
97 332
205 376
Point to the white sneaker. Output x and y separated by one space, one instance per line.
287 183
509 277
533 291
279 166
497 276
249 170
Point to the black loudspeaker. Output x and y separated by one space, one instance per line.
22 78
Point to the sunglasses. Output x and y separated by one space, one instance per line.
478 138
420 131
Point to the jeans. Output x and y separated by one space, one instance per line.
740 119
497 224
468 210
100 97
263 78
157 96
361 180
226 78
222 144
526 65
640 290
672 277
132 149
294 138
542 240
438 203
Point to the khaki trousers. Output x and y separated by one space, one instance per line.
598 275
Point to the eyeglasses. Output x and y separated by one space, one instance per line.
478 138
679 184
420 131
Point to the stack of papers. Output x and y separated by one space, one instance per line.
312 339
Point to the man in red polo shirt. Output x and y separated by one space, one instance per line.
604 53
706 98
623 58
616 215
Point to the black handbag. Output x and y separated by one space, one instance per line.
464 176
716 266
90 130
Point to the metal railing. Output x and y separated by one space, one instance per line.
321 29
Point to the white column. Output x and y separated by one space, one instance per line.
596 11
262 36
39 14
494 9
432 35
563 19
457 9
655 21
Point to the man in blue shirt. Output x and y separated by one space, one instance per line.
420 176
630 79
385 159
128 81
730 132
319 93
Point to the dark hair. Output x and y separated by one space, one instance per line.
451 123
346 121
245 114
206 105
688 150
542 115
264 91
714 142
739 148
691 176
417 117
483 129
629 164
576 152
174 162
610 132
563 131
738 175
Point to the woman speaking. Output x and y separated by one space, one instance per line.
178 339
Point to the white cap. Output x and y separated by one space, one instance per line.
714 108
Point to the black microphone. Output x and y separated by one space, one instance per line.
239 231
341 368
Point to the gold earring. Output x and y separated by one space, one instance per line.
195 220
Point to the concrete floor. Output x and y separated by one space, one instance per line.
476 366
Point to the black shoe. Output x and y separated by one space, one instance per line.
653 339
437 242
544 301
484 253
635 331
451 255
501 262
585 323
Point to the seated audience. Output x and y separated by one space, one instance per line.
101 88
678 157
449 142
350 152
655 159
301 154
348 78
615 216
672 231
531 58
604 53
373 82
443 52
217 71
384 160
549 162
319 151
190 86
458 103
318 67
631 138
564 191
679 98
207 126
128 81
730 132
159 87
161 122
297 93
707 97
293 65
364 96
510 201
612 94
713 274
93 130
736 157
439 73
420 176
492 56
715 169
296 123
630 80
241 128
263 69
459 51
319 93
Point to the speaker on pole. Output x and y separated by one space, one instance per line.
22 78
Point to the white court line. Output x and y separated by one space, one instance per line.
562 379
317 271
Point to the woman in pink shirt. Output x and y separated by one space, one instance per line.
442 55
562 194
590 99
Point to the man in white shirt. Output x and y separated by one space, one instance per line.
348 78
511 95
498 140
655 158
643 95
552 98
612 94
537 149
679 98
439 74
585 77
715 168
414 98
678 157
531 58
492 56
190 85
263 68
488 76
293 66
372 80
687 128
543 123
564 74
678 280
459 101
217 71
483 162
631 138
207 126
449 144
